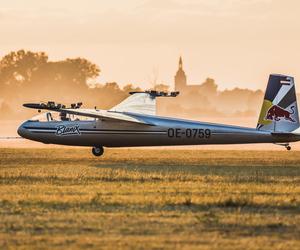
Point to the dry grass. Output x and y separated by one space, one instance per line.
184 199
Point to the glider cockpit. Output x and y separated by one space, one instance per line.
57 117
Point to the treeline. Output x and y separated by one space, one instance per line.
27 76
206 100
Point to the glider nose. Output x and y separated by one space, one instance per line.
22 131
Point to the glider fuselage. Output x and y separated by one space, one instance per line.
164 132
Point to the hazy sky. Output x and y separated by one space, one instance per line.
237 42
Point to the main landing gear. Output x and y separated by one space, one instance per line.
98 151
286 145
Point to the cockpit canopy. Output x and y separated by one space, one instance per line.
58 116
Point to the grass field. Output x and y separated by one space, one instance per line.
149 199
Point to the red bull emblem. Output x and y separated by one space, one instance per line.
276 113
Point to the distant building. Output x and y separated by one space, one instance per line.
181 81
180 77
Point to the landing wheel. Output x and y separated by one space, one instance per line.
97 151
286 145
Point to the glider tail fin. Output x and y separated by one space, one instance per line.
279 112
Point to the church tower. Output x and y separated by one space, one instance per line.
180 78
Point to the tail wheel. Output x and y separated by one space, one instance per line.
97 151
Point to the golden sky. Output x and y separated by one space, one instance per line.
237 42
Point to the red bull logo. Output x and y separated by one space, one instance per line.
276 113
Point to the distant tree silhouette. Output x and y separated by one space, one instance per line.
209 87
17 69
161 87
23 73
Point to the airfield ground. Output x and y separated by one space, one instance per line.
161 199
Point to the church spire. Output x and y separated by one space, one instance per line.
180 62
180 77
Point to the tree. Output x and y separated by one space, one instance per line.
17 70
18 67
209 87
161 87
130 88
80 70
29 76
